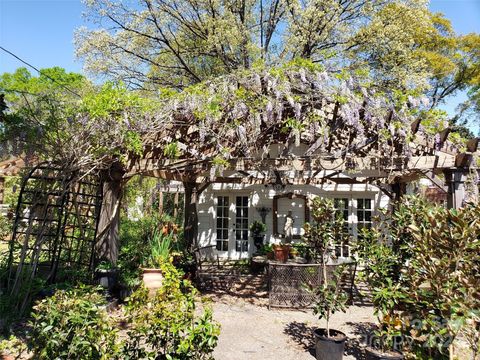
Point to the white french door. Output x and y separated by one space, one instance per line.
232 223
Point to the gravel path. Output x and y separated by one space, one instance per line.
251 331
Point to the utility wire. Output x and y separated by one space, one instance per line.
39 71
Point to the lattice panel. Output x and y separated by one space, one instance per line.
55 227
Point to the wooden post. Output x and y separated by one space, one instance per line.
190 224
455 181
160 202
175 205
399 189
2 189
108 238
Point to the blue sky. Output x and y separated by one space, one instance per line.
41 31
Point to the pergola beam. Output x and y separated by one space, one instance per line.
168 168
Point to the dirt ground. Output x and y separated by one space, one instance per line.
252 331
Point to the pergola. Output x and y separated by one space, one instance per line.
276 126
314 129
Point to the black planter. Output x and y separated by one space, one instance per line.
258 241
329 348
373 354
106 278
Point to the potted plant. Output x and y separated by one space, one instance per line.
281 252
258 228
380 264
160 247
330 298
106 274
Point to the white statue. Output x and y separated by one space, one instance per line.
288 227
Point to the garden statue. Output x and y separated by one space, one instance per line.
288 227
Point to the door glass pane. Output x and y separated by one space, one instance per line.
222 223
241 222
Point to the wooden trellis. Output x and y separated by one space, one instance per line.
55 227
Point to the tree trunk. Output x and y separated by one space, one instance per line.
108 238
190 225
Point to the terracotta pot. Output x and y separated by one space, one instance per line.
6 357
152 278
282 252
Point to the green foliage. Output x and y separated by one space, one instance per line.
442 278
134 247
321 234
420 266
171 150
330 298
326 229
160 248
36 106
72 325
257 228
265 249
169 326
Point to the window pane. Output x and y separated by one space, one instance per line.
239 201
360 215
368 216
225 234
368 203
360 203
219 223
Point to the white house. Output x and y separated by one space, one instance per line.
225 211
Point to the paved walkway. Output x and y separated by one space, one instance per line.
251 331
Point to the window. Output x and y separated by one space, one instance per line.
364 214
342 248
223 204
241 223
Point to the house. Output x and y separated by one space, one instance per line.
225 212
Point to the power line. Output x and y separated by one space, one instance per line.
39 71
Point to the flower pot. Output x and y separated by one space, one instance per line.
6 357
329 348
152 278
281 253
374 354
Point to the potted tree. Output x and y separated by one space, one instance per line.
330 298
160 246
379 272
257 229
327 226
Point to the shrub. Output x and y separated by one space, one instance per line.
73 325
442 280
168 326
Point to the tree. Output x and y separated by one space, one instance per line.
178 43
34 106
